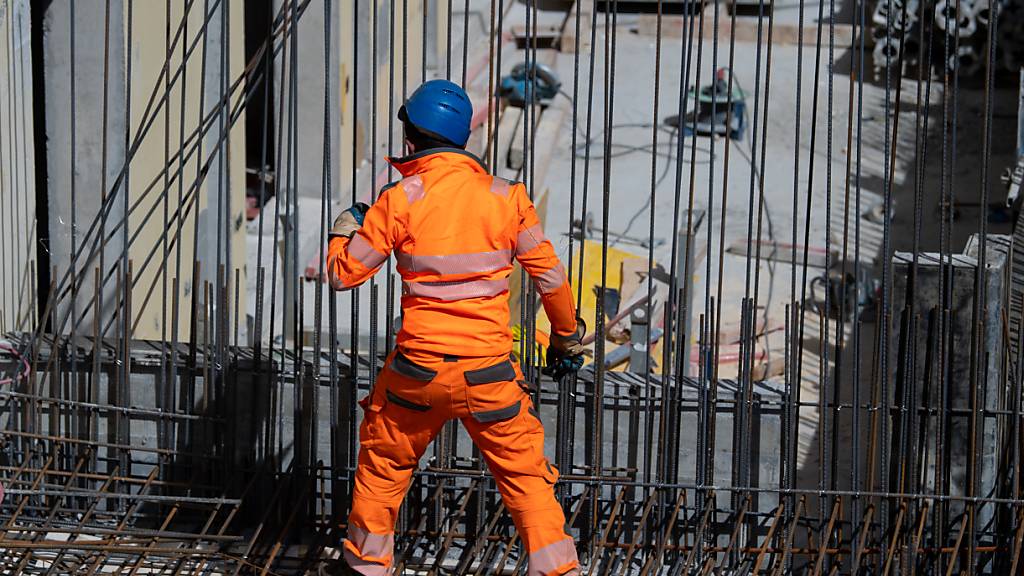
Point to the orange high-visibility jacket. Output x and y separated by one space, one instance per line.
454 230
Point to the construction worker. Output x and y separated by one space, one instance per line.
454 230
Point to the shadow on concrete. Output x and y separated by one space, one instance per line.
916 222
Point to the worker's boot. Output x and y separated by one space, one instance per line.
332 564
335 568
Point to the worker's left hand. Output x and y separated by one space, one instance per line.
350 220
565 354
559 366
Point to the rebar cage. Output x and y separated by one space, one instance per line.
820 328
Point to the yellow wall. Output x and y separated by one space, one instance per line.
148 54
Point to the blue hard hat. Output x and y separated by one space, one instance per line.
439 108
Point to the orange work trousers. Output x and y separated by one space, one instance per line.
413 398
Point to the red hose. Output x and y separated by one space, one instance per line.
25 367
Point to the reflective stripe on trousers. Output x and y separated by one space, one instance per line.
555 559
365 567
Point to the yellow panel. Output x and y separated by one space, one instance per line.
592 278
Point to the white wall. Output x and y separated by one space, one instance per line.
17 170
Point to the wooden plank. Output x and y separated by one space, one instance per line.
634 275
746 30
584 9
551 123
477 143
784 252
517 148
508 128
548 128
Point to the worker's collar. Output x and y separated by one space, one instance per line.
427 159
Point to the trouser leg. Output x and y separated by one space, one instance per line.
514 450
396 430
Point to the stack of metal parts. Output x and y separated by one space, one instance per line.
948 34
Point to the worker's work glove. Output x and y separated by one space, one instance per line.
565 353
350 220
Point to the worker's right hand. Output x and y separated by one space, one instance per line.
565 353
349 221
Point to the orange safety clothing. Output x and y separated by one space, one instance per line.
410 403
454 230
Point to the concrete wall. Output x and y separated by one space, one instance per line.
407 65
362 106
922 374
398 61
17 177
80 173
310 114
155 198
221 210
1020 117
96 159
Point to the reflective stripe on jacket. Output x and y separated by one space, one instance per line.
455 230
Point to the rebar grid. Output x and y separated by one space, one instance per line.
803 420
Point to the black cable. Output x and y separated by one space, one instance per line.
582 150
748 156
579 150
647 202
627 149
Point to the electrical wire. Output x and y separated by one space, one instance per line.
647 201
582 149
620 149
748 156
25 371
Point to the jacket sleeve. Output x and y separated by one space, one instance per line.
350 262
537 256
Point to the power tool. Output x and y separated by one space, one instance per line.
520 89
716 113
